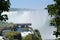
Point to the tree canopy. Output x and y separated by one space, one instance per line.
4 6
54 11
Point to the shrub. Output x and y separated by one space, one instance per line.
37 33
0 32
31 37
12 35
25 29
28 37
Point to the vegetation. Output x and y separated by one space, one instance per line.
54 12
6 24
31 37
35 36
4 6
28 37
12 35
0 32
25 29
37 33
9 24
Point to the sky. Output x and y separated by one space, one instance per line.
30 4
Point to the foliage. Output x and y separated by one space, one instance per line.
5 24
0 32
4 6
37 33
30 37
54 10
9 24
58 38
25 29
12 35
35 36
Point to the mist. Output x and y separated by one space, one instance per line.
38 18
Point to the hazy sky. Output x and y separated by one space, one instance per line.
31 4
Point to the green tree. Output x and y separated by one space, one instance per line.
13 35
30 37
54 11
4 6
35 36
37 33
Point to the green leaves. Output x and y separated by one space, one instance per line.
54 10
12 35
51 9
3 17
57 2
52 22
4 6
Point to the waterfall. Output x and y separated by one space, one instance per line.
38 19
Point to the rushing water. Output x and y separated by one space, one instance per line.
38 18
